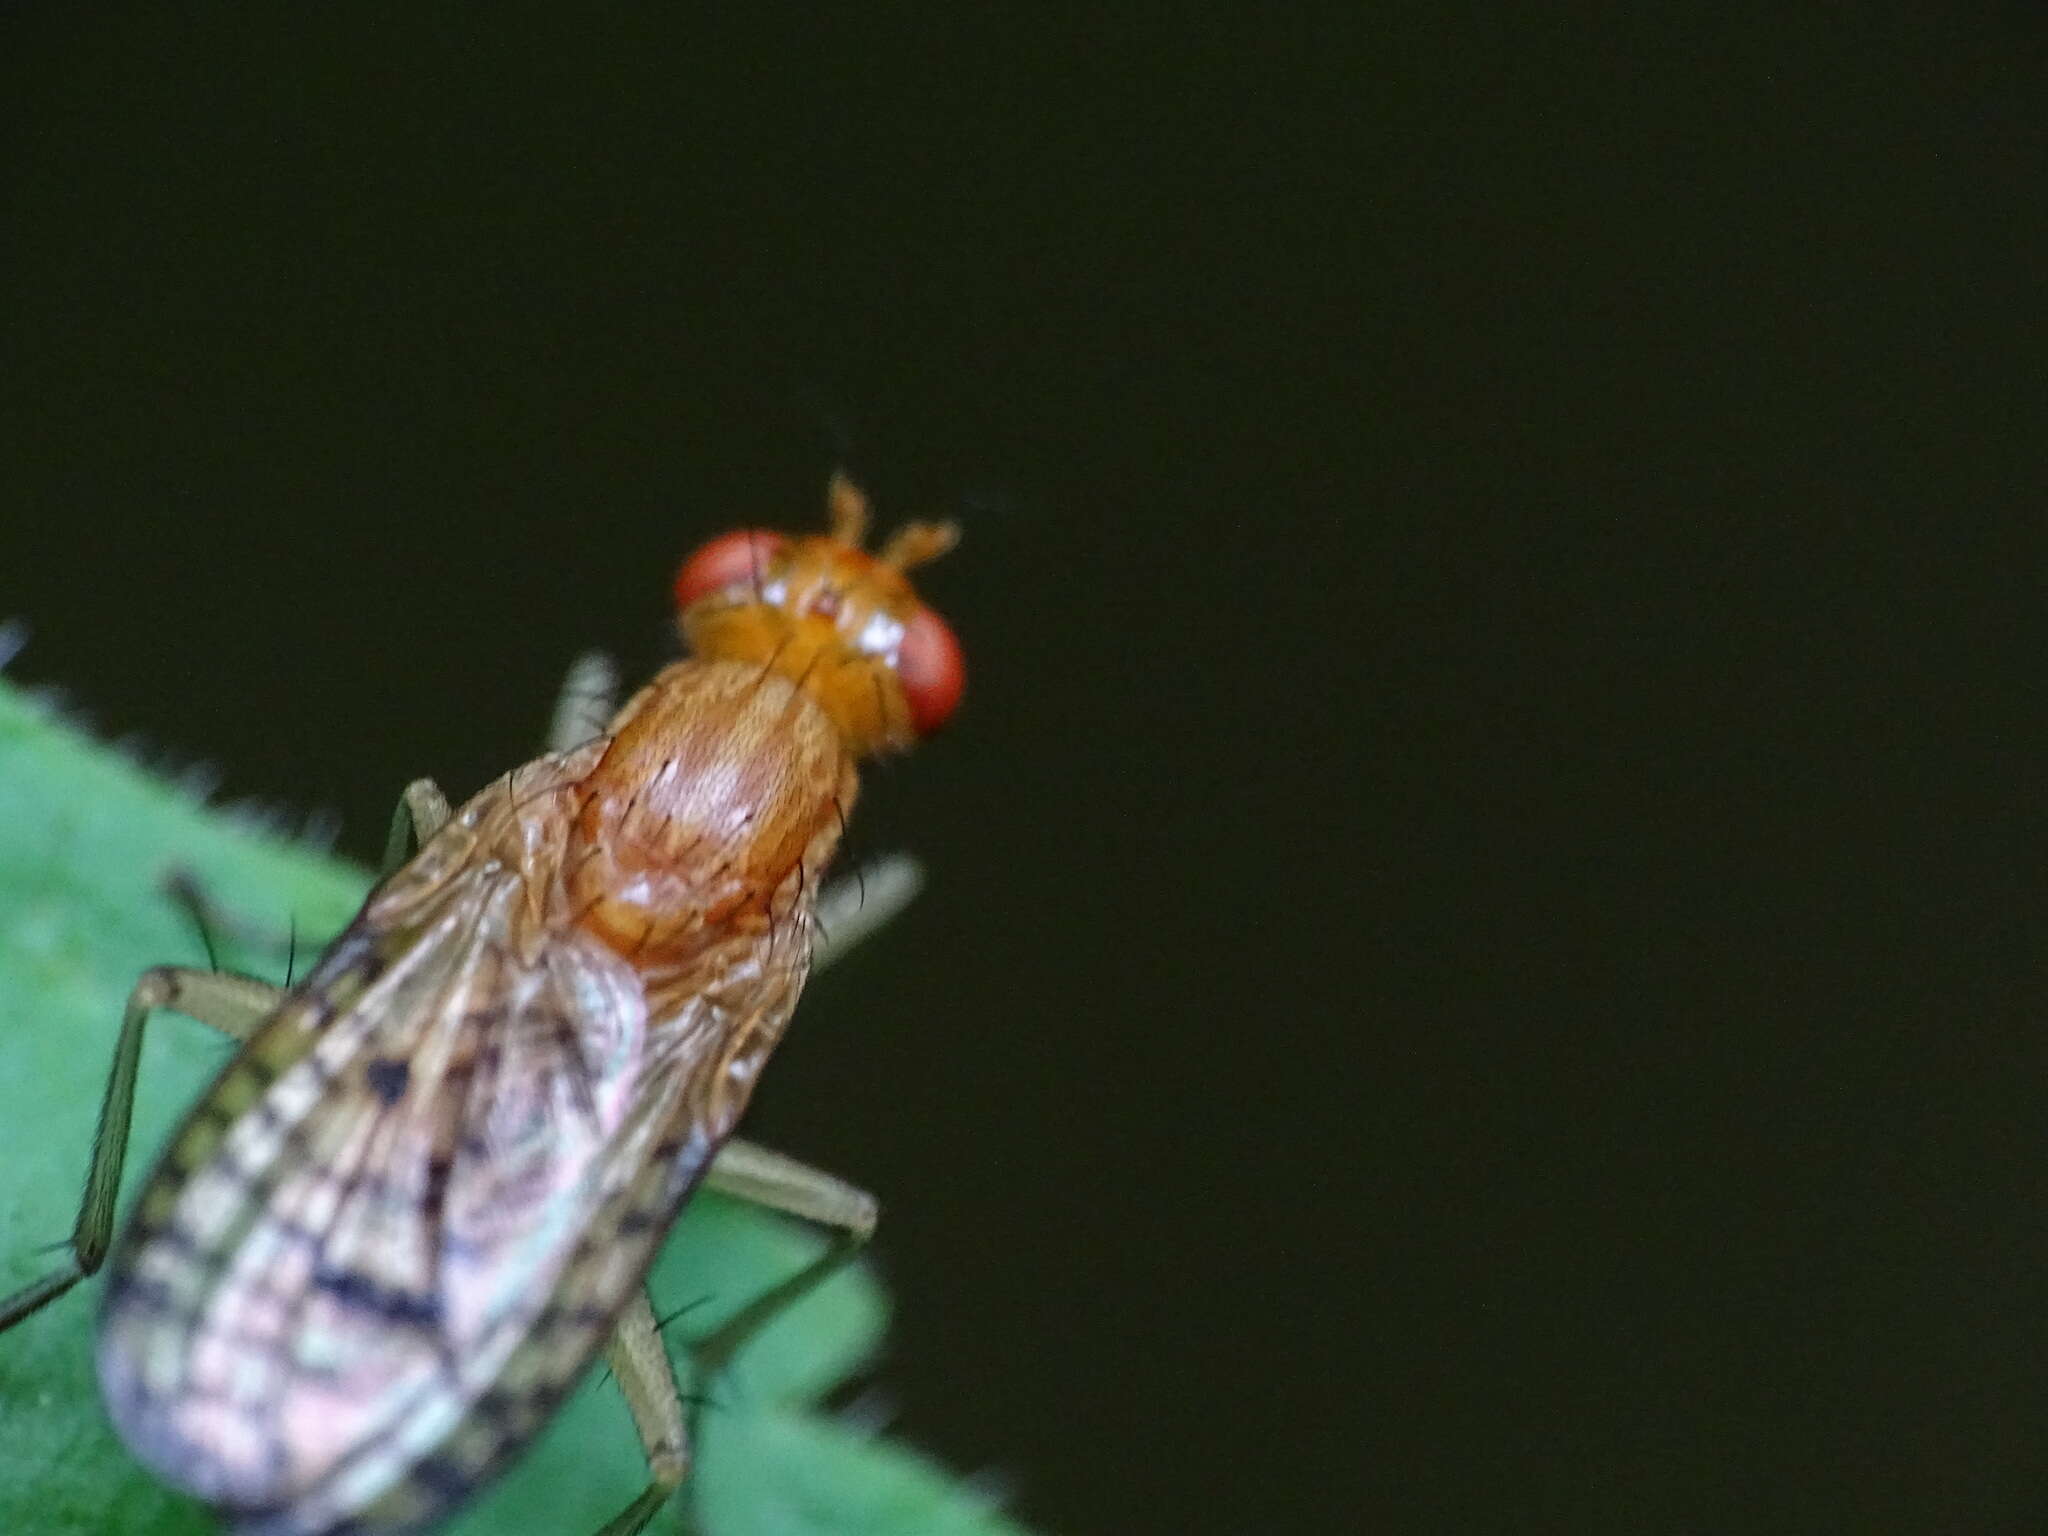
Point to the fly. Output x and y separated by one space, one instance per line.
427 1189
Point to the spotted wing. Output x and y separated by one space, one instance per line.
395 1231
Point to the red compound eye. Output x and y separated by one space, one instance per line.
729 560
931 669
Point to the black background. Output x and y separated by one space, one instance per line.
1483 964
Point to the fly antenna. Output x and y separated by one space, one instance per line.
916 544
846 507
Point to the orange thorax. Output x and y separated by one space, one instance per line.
712 813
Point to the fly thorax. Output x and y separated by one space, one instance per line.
714 807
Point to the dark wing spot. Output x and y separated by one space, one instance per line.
143 1294
499 1408
441 1479
388 1078
352 1288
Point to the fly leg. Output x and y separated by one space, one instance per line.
768 1179
648 1378
854 906
581 712
422 810
641 1362
590 694
232 1004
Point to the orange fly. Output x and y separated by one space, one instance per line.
428 1187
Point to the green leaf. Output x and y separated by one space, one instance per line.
86 840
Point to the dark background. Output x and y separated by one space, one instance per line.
1482 968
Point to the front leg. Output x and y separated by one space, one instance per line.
582 710
589 698
422 810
